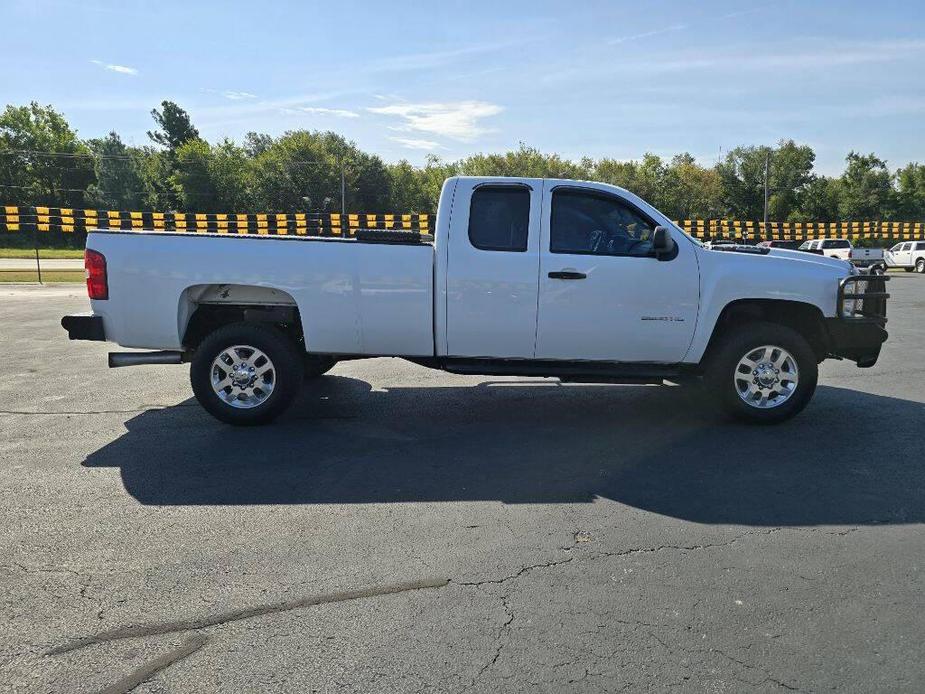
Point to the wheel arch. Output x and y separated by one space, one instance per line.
203 308
805 318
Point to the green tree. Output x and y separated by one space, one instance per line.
743 173
42 162
119 184
302 171
174 126
791 171
866 188
524 161
695 193
820 201
214 178
910 193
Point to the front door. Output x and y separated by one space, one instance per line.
603 294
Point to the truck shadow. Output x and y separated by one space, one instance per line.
657 449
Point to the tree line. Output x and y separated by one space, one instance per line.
44 162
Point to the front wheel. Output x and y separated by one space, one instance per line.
246 373
762 373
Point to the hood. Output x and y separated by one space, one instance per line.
804 257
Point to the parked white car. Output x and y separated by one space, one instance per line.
909 255
526 277
831 248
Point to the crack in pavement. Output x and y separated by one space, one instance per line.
151 668
160 628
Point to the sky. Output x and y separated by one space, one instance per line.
407 79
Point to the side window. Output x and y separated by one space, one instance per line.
906 247
896 248
920 246
597 224
499 217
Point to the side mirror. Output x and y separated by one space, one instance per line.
663 245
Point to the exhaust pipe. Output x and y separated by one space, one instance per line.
117 359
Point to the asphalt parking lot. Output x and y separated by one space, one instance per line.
406 530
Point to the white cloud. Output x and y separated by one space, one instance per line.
121 69
410 143
238 96
321 111
647 34
459 120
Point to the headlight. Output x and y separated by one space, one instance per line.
853 306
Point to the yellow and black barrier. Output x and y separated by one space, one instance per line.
67 220
799 231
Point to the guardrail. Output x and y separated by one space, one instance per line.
801 231
67 220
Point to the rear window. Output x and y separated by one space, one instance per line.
499 217
838 243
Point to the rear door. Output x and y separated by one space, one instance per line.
603 294
492 268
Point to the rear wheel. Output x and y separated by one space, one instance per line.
246 373
762 373
920 266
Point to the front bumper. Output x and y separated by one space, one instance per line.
857 332
859 342
84 326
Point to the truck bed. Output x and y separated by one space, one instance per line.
354 296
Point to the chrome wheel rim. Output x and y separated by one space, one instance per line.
243 376
766 377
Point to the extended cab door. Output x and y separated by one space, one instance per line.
491 268
603 294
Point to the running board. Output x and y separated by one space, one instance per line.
566 371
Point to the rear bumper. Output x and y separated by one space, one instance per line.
84 326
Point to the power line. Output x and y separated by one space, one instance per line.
126 157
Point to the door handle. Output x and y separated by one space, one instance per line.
567 275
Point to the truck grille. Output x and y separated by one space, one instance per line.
862 298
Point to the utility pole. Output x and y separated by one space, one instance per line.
343 191
767 168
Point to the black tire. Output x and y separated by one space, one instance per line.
879 269
317 365
920 266
723 364
286 378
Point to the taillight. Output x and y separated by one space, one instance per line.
95 265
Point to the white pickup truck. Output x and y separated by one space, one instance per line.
526 277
